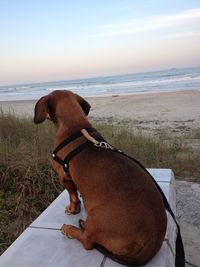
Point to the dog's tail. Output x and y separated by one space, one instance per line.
119 258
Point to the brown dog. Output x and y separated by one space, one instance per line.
126 218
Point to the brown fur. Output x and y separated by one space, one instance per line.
126 216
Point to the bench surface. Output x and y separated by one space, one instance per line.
43 245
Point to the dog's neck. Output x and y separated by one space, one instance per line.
66 127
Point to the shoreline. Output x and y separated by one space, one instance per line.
144 93
138 93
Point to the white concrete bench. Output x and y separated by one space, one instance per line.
43 245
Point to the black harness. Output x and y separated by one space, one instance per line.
180 254
65 162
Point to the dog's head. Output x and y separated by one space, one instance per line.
60 104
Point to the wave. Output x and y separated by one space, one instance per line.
173 79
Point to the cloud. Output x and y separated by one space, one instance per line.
152 23
184 34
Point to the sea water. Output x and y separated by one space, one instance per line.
156 81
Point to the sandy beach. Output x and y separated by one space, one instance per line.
172 111
175 112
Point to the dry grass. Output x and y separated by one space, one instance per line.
164 150
28 185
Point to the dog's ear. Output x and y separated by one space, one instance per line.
84 104
41 110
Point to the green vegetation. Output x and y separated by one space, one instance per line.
28 185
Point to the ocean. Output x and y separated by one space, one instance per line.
156 81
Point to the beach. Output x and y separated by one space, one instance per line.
174 112
171 111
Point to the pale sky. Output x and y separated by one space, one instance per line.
47 40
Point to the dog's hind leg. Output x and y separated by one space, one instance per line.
79 234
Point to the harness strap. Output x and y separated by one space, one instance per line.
76 151
57 159
89 137
71 138
74 136
73 153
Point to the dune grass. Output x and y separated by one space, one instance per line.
28 185
163 150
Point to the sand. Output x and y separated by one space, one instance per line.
175 112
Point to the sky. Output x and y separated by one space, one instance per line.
48 40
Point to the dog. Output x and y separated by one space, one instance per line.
126 218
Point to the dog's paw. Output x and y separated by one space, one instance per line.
64 230
73 208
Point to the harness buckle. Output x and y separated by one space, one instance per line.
104 145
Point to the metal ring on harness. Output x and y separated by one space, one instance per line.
104 145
